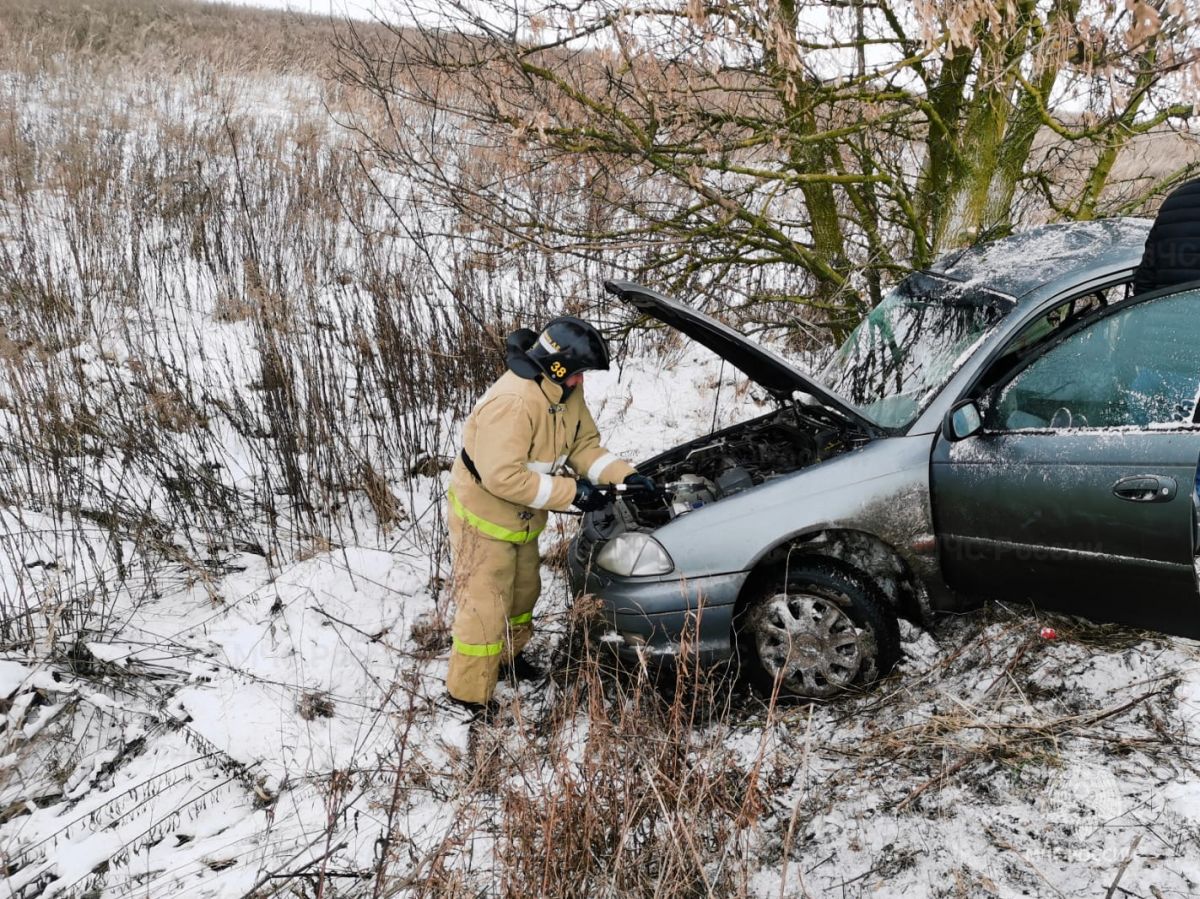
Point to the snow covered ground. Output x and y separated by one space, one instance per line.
261 725
206 713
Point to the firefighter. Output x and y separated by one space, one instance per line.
517 444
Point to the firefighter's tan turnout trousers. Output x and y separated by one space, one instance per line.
495 585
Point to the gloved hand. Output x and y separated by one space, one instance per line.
588 498
642 483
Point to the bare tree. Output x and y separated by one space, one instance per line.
801 149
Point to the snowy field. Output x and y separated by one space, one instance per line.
223 628
285 723
275 723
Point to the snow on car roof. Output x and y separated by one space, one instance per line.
1024 262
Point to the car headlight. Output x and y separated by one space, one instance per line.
634 553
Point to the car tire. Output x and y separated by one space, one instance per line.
814 631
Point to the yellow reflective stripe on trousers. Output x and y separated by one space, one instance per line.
477 649
523 618
489 528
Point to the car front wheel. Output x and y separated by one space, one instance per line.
814 631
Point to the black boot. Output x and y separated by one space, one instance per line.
479 711
520 668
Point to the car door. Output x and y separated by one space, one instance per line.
1080 490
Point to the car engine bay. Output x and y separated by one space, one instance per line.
723 464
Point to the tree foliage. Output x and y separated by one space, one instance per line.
822 144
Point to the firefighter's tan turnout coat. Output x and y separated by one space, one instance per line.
519 437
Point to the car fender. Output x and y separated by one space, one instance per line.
881 489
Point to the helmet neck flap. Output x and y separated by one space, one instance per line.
516 346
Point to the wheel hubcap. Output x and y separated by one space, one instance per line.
808 643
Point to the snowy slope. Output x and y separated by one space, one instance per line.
249 725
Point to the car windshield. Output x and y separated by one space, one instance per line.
910 345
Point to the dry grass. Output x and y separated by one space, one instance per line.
607 782
177 37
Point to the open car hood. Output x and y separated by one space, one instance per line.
762 366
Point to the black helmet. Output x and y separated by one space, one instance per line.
566 346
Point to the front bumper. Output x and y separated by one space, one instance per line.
658 617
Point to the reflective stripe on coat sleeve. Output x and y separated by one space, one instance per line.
597 469
563 496
541 467
545 489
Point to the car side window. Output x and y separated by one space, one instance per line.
1042 330
1061 316
1135 367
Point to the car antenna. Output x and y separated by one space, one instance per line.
717 399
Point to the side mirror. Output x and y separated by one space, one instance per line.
963 420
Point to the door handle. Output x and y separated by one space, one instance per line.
1146 488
